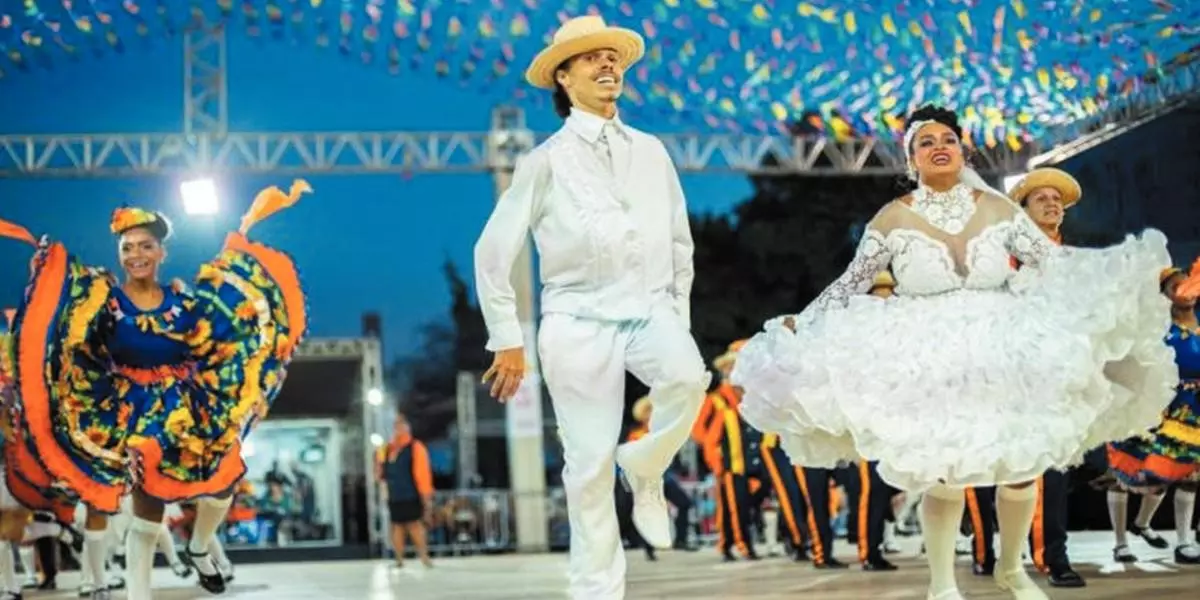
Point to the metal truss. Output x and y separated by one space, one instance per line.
336 348
349 153
205 85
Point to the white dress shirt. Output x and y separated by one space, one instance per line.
613 241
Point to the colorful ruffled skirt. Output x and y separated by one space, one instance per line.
90 431
1167 454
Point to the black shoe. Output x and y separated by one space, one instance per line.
984 570
831 563
727 556
1122 554
1156 541
47 585
74 537
878 564
752 555
1066 577
650 555
685 547
1183 559
213 584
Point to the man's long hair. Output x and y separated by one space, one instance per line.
562 102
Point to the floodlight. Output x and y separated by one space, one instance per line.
376 440
199 196
374 397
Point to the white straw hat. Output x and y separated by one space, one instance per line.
578 36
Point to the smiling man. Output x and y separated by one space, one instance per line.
608 215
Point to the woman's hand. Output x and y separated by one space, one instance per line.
790 323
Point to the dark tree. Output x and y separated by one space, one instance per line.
429 377
781 247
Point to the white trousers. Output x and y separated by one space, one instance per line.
584 363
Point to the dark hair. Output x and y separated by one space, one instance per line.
933 112
562 102
160 228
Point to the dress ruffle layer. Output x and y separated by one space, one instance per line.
81 437
973 387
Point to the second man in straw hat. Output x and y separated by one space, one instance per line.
607 212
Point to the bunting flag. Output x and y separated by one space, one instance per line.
1012 68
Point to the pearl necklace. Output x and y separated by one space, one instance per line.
949 210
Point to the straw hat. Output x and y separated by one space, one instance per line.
1048 177
884 279
641 409
730 355
578 36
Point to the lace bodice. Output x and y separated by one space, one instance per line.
938 243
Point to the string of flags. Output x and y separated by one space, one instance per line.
1012 68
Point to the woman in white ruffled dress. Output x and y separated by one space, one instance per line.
961 380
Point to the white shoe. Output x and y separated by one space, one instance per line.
1020 584
650 514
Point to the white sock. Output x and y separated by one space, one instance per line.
166 545
1014 510
27 562
1146 511
8 569
1118 513
95 549
889 533
210 513
217 551
140 541
941 514
1185 507
38 530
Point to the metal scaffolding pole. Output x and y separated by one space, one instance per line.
205 81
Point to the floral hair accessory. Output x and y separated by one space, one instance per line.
128 217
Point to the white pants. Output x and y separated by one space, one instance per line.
584 363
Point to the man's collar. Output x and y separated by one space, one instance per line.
589 126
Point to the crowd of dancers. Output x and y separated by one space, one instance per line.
126 399
991 358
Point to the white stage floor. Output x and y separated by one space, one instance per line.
676 576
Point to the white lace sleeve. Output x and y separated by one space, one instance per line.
872 256
1028 242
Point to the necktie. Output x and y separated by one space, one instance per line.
606 149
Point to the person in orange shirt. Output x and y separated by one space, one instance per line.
1046 194
725 454
404 472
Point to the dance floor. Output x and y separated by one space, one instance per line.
676 576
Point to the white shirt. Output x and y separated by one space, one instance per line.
613 243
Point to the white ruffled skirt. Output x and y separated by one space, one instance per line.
973 387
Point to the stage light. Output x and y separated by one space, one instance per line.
1011 181
199 196
376 440
374 396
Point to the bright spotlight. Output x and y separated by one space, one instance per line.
199 196
374 397
376 440
1011 182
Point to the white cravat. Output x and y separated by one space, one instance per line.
606 149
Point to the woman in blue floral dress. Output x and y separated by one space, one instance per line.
1169 454
136 386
